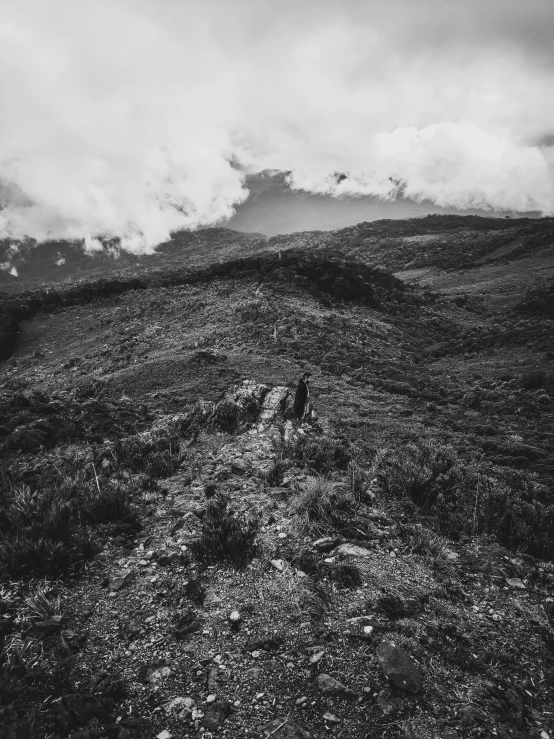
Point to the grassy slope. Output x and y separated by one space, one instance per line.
383 377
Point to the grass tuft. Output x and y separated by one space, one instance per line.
226 537
320 504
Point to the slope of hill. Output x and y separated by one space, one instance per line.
178 557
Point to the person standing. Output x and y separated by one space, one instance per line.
301 397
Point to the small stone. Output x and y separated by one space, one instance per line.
330 718
158 674
399 668
326 544
351 550
178 704
216 715
392 554
360 619
211 698
119 580
302 700
235 617
329 686
316 657
164 735
211 598
469 715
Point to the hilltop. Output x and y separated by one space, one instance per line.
177 557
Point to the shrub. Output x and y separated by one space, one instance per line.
226 536
421 473
226 416
324 455
159 457
537 380
464 500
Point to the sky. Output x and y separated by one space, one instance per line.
136 118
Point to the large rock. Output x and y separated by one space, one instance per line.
329 686
274 404
399 667
284 728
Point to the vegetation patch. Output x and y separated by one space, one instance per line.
227 537
465 500
52 527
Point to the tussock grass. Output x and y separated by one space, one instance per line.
422 540
226 537
296 596
42 604
54 527
321 504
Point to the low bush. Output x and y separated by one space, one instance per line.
226 537
156 457
539 379
464 500
420 473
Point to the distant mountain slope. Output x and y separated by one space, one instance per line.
437 241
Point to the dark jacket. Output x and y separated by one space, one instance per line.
300 398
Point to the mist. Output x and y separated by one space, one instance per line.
134 119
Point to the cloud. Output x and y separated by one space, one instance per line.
135 118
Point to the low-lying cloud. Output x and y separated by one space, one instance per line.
136 118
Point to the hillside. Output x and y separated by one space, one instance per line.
178 557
